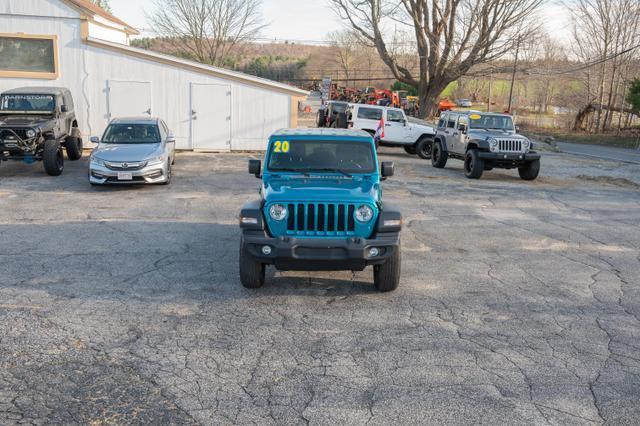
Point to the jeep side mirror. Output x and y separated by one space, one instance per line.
94 139
64 108
463 128
387 169
255 167
517 129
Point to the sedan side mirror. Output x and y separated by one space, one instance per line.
94 139
171 139
255 167
387 169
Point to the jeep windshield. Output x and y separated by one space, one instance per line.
121 133
490 122
30 104
321 156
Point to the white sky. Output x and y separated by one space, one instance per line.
311 19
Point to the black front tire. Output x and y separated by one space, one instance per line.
341 121
530 171
424 148
74 147
410 149
386 277
438 156
473 164
322 118
53 158
252 272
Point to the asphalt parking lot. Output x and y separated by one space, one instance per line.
519 303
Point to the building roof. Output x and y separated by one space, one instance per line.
90 8
197 67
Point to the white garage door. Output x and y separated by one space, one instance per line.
129 98
211 117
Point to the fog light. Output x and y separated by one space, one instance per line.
266 250
373 252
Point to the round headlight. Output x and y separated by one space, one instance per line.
493 142
364 214
278 212
31 133
526 144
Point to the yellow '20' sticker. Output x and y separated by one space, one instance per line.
281 146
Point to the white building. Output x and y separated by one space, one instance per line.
74 44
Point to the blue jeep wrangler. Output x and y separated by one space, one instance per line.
320 209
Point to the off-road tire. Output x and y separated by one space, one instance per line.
410 149
341 121
424 148
53 158
386 277
251 272
322 118
530 171
473 164
438 155
73 147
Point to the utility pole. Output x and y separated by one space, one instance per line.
513 75
490 84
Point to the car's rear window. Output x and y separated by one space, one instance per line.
370 113
131 133
300 156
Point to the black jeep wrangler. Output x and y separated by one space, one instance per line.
484 141
35 124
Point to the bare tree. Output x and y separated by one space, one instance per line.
346 47
449 36
206 29
604 31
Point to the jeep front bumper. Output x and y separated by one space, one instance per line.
508 158
320 254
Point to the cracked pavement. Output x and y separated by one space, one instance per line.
519 303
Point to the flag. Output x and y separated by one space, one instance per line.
380 130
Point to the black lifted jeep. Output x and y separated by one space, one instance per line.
35 124
483 141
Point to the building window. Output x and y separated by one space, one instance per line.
29 56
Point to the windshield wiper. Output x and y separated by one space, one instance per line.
329 169
290 169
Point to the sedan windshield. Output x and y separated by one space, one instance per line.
321 156
488 121
27 103
122 133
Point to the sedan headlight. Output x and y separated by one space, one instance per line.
364 214
31 133
278 212
155 161
95 161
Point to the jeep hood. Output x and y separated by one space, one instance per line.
31 121
322 189
127 152
492 133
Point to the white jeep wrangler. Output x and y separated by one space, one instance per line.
414 137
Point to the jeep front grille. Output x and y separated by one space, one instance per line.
13 134
509 145
320 218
